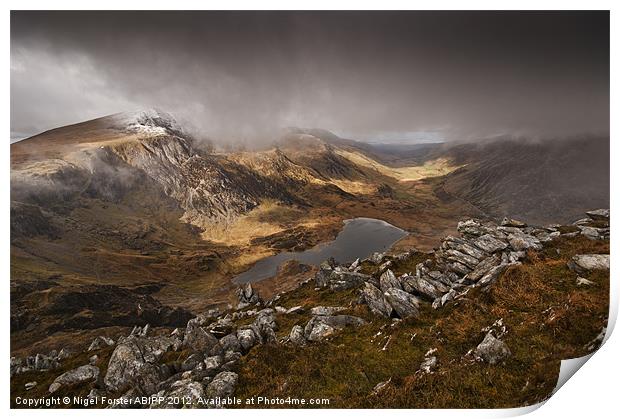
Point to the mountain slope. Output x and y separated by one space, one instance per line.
541 182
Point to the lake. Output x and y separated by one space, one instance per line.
359 238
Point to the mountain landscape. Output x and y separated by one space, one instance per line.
256 209
127 234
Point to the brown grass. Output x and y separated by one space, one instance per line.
549 318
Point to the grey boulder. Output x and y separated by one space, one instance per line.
492 350
223 385
583 264
134 363
79 375
522 241
197 337
320 327
326 311
405 305
388 280
184 393
246 338
375 300
297 335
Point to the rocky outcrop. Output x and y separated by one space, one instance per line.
247 296
387 280
339 278
265 325
599 215
197 337
38 362
214 344
134 363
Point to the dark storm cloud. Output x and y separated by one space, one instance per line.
363 74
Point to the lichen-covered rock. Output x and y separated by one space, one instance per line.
79 375
483 267
223 385
594 233
191 362
221 327
424 287
265 325
375 300
320 327
326 311
196 336
134 363
376 258
321 278
247 295
462 246
490 244
405 305
388 280
342 280
492 275
230 343
247 338
213 363
456 256
492 350
582 264
184 393
297 335
472 228
522 241
598 215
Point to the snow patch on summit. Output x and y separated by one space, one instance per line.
150 121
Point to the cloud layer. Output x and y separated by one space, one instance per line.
245 75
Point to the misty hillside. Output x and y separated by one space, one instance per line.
538 181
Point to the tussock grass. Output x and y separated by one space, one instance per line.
548 318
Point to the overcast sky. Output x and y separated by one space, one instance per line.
364 75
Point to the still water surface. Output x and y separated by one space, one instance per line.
359 238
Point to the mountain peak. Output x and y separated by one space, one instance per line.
150 121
